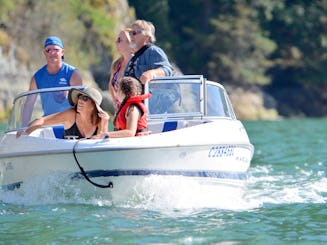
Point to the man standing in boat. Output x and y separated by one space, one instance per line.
149 62
56 73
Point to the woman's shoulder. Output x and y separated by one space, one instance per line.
69 117
67 114
116 63
133 109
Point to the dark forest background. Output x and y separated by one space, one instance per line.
279 47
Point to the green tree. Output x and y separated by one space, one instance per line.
238 49
300 30
222 40
189 22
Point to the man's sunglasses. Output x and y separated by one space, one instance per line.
54 50
134 33
83 97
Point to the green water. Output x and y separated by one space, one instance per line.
2 127
283 202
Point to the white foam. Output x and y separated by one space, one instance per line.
302 186
264 186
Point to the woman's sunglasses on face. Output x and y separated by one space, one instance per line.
83 97
119 40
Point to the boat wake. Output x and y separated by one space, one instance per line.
263 187
303 185
151 192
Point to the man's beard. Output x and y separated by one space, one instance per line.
133 45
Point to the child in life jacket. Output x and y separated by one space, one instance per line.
131 117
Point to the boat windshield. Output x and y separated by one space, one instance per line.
187 96
175 96
217 101
34 104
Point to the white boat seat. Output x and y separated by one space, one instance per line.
56 131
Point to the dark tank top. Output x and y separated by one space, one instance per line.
74 131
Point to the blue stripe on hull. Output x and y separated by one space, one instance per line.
117 173
12 186
205 174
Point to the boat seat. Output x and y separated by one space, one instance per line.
169 126
173 125
165 126
58 131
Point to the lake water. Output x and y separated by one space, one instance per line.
282 202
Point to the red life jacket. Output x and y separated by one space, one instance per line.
120 120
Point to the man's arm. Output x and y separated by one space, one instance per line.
150 74
157 59
76 79
29 103
32 84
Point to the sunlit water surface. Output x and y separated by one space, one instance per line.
282 202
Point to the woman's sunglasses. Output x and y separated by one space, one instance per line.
119 40
83 97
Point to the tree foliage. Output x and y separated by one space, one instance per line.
246 41
243 50
242 42
300 31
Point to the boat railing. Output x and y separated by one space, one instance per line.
34 104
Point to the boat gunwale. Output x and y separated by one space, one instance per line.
111 148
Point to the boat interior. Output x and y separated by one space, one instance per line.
176 102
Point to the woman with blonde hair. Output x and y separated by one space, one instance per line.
118 66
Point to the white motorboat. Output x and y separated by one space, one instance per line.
193 133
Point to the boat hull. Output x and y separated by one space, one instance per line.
191 152
177 161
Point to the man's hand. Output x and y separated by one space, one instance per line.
147 76
20 133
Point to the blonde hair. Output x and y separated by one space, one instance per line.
127 31
117 61
147 27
